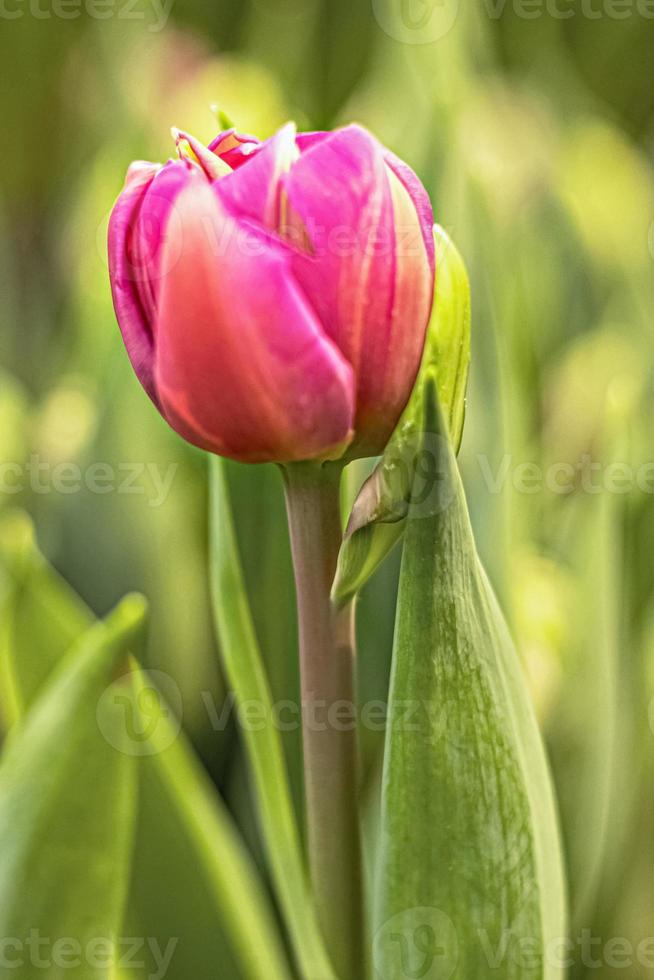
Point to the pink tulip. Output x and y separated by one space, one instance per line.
274 296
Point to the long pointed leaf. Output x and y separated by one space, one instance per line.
66 815
194 896
470 870
195 889
42 617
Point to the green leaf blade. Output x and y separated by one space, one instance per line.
470 850
194 884
194 896
66 813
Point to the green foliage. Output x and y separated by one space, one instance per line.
42 617
194 887
533 138
469 852
162 860
67 812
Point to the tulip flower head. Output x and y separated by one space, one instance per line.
273 296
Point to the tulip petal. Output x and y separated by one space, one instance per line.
243 368
306 140
132 320
372 299
420 199
253 191
188 147
234 148
155 224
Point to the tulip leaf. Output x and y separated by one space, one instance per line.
190 871
42 616
195 892
66 815
584 733
246 674
587 736
470 868
259 515
379 513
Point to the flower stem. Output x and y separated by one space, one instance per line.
328 714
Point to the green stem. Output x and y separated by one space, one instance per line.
328 714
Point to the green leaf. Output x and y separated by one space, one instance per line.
195 893
42 617
190 872
470 868
259 516
247 676
66 814
584 728
14 408
378 516
595 763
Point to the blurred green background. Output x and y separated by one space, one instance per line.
533 133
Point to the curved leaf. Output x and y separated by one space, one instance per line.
195 893
42 617
470 868
190 873
66 815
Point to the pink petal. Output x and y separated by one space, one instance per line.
243 368
306 140
187 145
372 300
155 224
420 199
124 274
253 191
234 148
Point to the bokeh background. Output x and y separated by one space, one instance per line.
533 133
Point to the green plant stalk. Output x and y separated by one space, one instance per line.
245 670
328 713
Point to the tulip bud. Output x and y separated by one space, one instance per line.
273 296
